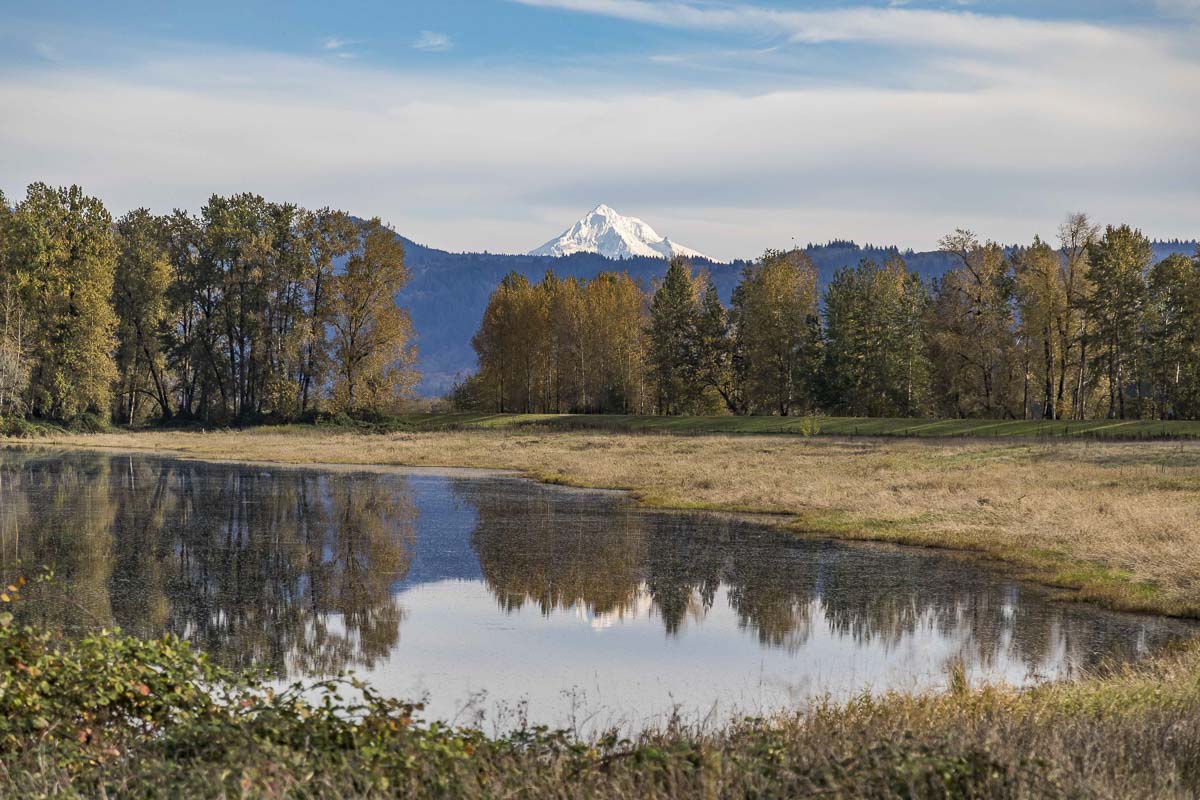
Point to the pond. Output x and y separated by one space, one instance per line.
498 599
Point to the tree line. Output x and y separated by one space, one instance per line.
249 310
1088 327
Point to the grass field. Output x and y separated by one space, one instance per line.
1113 522
1110 521
1135 430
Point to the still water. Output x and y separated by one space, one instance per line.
495 598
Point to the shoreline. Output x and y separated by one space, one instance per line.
1067 578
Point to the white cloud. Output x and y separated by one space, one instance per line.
893 25
335 43
433 42
1102 119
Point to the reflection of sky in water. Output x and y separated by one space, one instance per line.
481 593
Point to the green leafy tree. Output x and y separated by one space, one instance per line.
1172 337
14 366
143 275
875 362
777 333
1119 262
70 262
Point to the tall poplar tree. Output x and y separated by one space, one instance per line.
68 288
972 332
1043 307
14 366
143 275
1119 263
373 349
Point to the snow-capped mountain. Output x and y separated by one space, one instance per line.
612 235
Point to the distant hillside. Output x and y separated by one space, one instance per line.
448 292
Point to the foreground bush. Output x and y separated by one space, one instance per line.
109 715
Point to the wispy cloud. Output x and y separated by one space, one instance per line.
433 42
1000 124
337 43
895 24
1180 8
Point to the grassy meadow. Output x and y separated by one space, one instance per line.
1108 520
1107 430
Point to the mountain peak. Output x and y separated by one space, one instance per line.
605 231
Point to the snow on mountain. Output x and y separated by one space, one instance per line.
612 235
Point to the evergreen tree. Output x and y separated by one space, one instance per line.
777 333
674 334
715 353
874 345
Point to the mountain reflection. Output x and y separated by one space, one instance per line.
306 572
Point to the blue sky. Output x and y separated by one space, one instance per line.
730 126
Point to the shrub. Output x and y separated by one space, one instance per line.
89 422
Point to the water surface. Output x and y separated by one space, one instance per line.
494 597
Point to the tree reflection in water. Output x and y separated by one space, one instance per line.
537 548
288 569
305 572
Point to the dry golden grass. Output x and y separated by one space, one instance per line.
1115 522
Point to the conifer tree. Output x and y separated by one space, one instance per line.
777 332
674 331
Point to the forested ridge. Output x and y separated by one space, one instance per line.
249 311
1092 326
